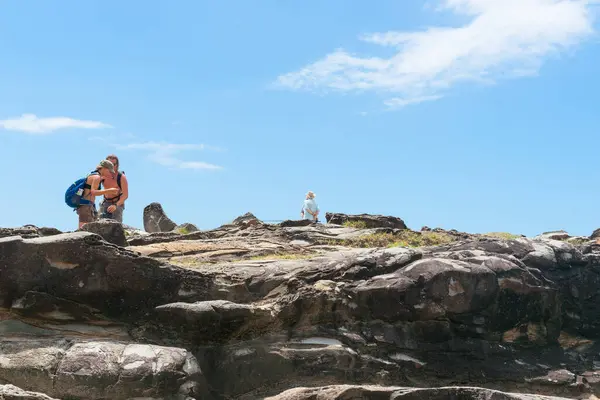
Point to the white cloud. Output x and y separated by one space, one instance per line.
161 146
398 102
501 39
30 123
166 154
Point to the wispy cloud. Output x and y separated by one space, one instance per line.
502 39
32 124
167 154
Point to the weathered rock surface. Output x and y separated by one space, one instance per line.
247 311
156 220
28 231
109 230
100 370
11 392
392 393
369 221
246 219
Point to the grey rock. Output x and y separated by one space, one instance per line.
295 223
215 321
11 392
110 230
28 231
266 307
100 370
247 218
83 268
155 219
343 392
368 220
554 235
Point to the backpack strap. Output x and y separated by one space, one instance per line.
115 199
87 185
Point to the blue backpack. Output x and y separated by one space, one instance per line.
74 194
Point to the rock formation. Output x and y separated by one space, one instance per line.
366 220
111 231
284 312
156 220
245 219
393 393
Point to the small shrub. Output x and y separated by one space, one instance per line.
183 230
355 224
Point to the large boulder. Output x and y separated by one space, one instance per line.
11 392
82 267
100 369
110 230
366 220
156 220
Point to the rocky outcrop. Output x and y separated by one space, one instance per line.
555 235
11 392
83 268
247 311
392 393
156 220
295 223
366 220
109 230
245 219
100 370
28 231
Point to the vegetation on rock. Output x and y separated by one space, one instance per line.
404 238
503 235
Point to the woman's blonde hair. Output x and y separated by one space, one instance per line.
311 195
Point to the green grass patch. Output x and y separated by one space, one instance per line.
405 238
502 235
355 224
576 241
282 256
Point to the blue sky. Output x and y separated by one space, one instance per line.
478 115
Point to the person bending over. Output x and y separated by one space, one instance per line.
87 212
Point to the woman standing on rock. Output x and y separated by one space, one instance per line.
310 209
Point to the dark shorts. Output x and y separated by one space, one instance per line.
116 215
87 213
